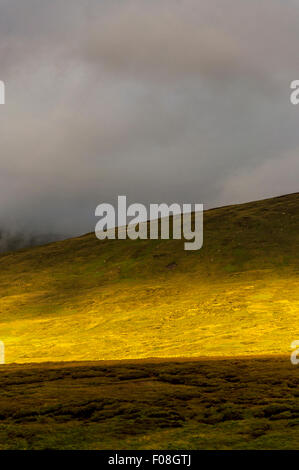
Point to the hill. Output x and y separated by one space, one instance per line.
85 299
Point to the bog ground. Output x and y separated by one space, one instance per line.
248 403
82 299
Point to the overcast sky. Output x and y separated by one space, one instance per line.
161 100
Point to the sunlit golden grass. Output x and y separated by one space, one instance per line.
82 299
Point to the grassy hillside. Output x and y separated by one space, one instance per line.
85 299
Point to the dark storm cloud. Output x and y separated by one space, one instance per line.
160 100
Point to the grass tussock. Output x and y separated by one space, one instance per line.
248 403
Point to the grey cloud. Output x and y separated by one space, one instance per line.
163 101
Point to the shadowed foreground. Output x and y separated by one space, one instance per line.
248 403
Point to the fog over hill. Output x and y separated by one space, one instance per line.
13 241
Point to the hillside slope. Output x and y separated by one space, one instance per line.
85 299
